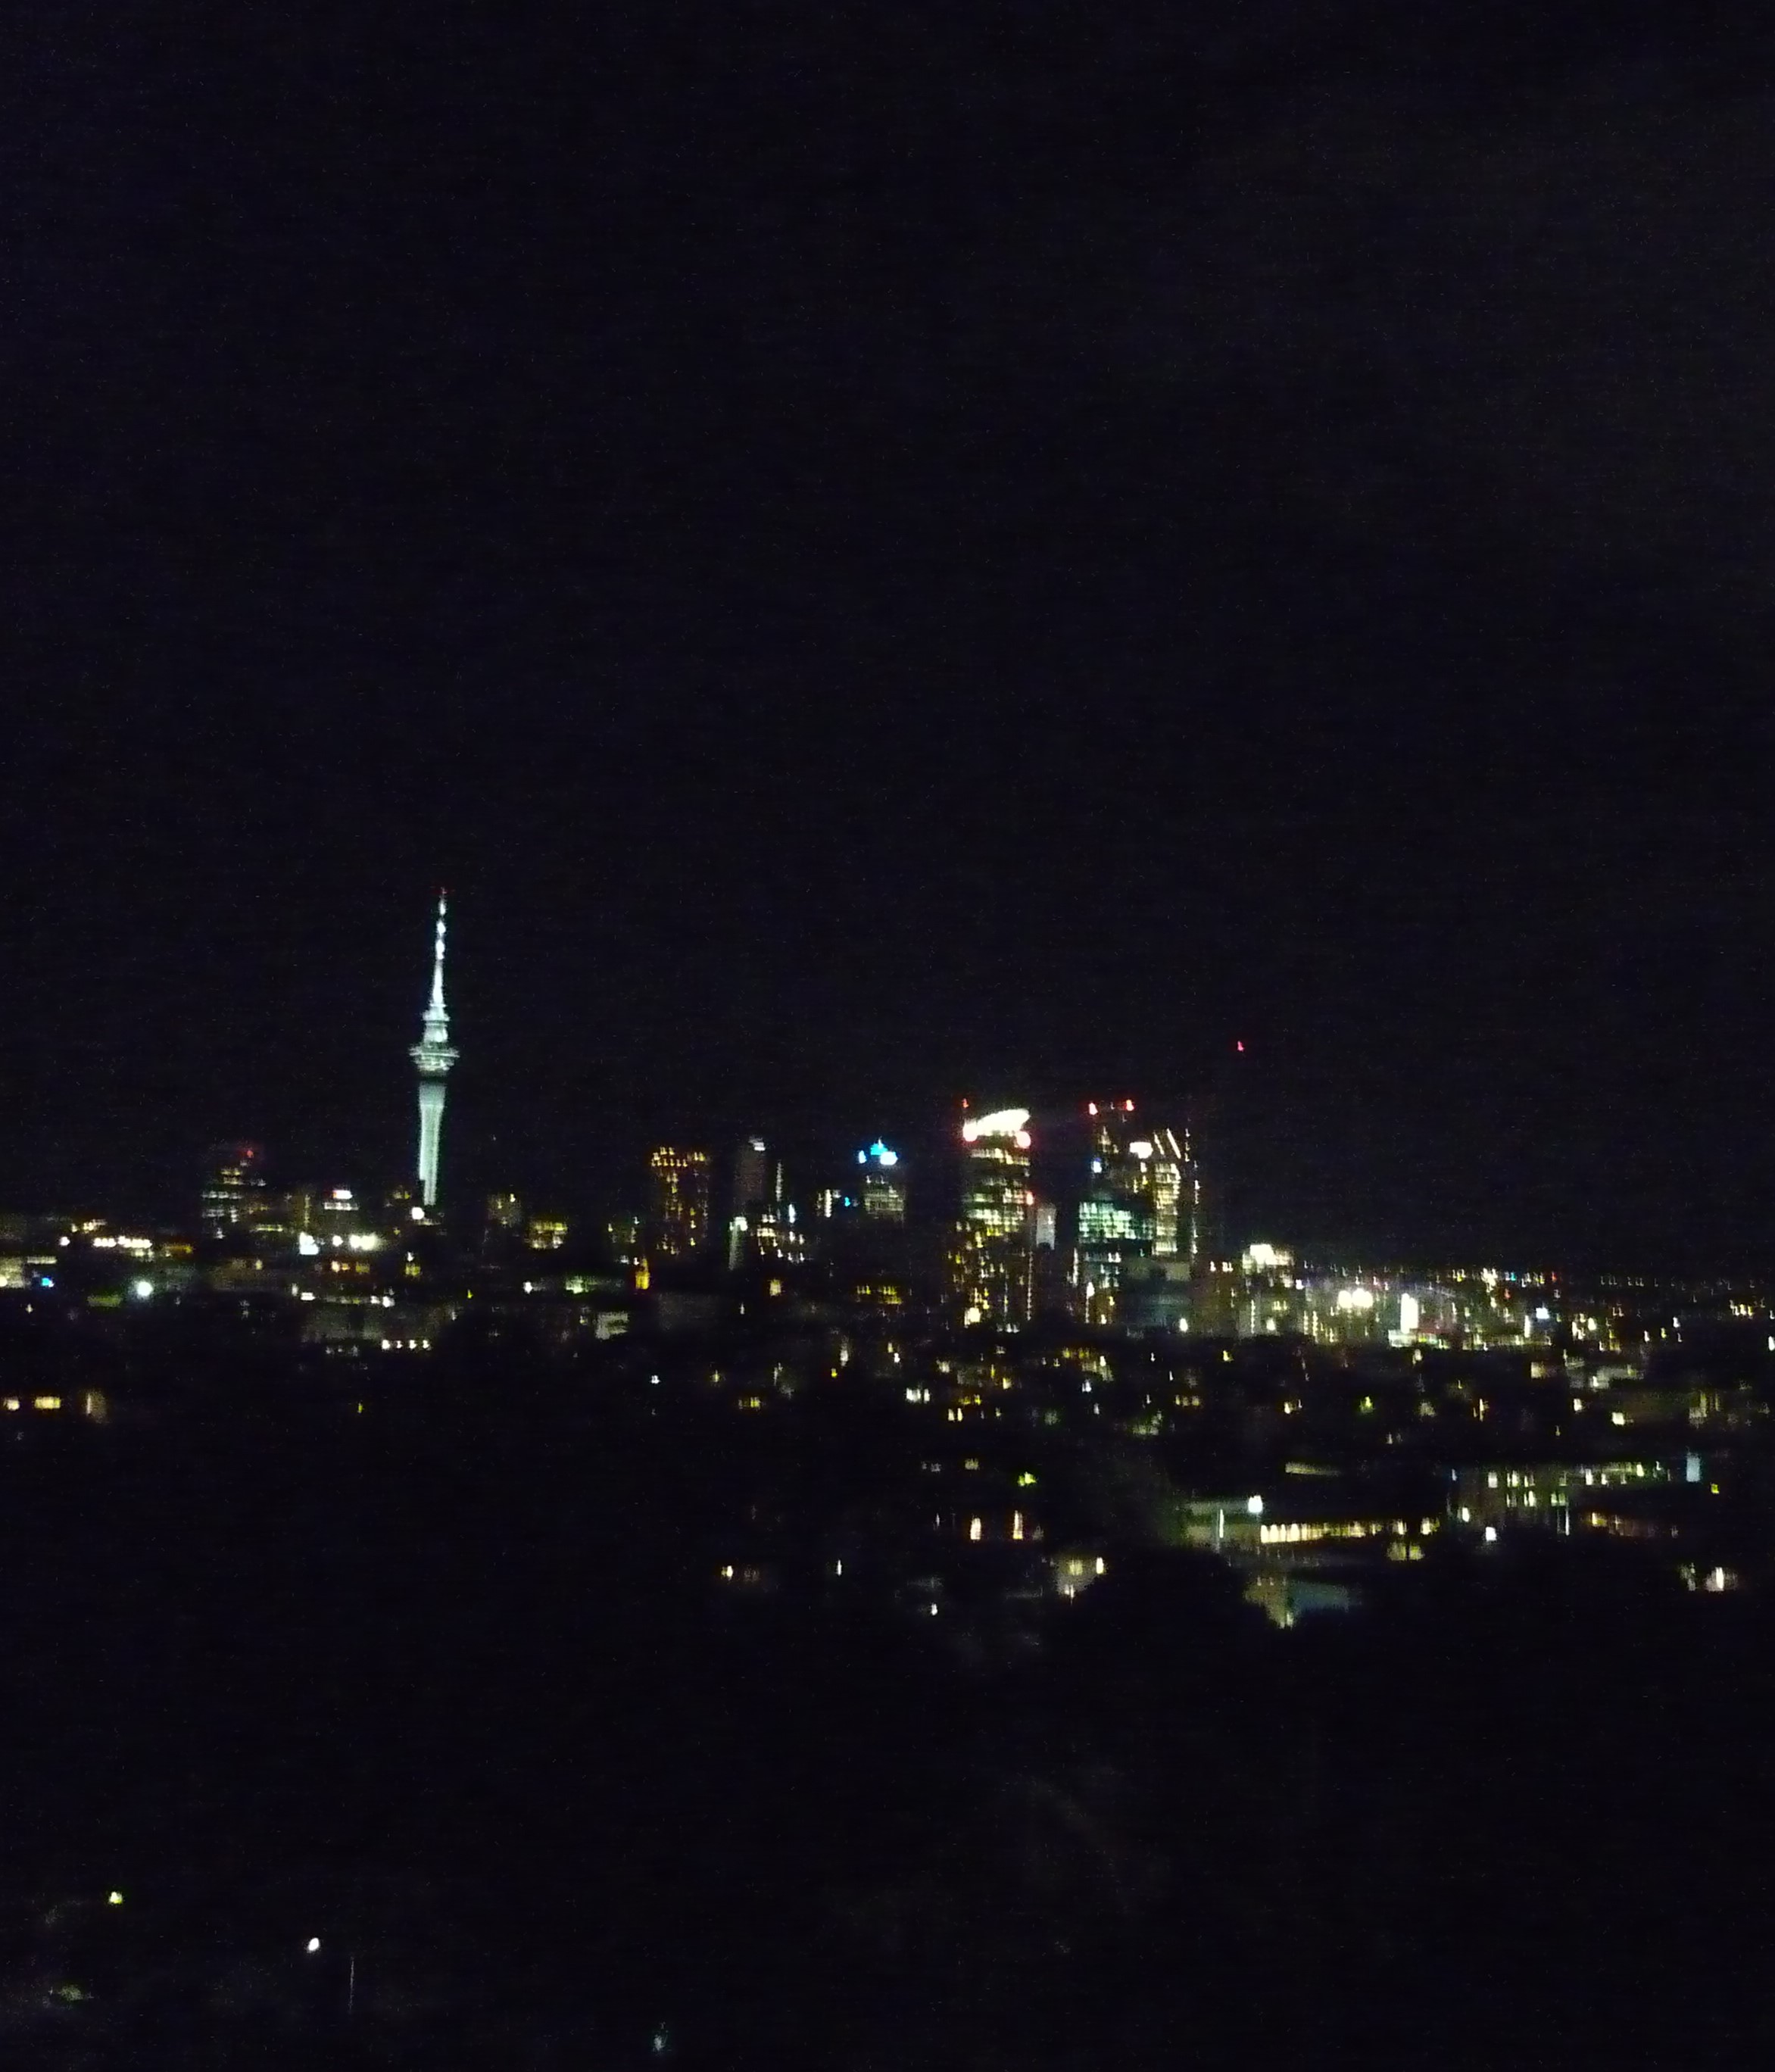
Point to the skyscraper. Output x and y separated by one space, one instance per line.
1174 1188
752 1199
752 1188
992 1258
678 1210
869 1254
234 1187
881 1196
432 1057
1140 1201
764 1223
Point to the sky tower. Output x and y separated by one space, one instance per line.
433 1056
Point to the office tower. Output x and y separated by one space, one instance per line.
1116 1216
678 1207
764 1223
881 1192
992 1251
332 1218
752 1187
234 1188
1141 1201
432 1057
869 1252
752 1200
1174 1188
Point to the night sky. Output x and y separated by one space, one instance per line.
889 550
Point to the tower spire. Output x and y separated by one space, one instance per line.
435 1010
432 1057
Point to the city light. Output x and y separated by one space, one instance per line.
1008 1122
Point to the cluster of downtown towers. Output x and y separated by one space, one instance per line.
1138 1202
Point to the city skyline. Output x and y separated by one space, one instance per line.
818 1146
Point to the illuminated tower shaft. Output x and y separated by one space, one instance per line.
432 1057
